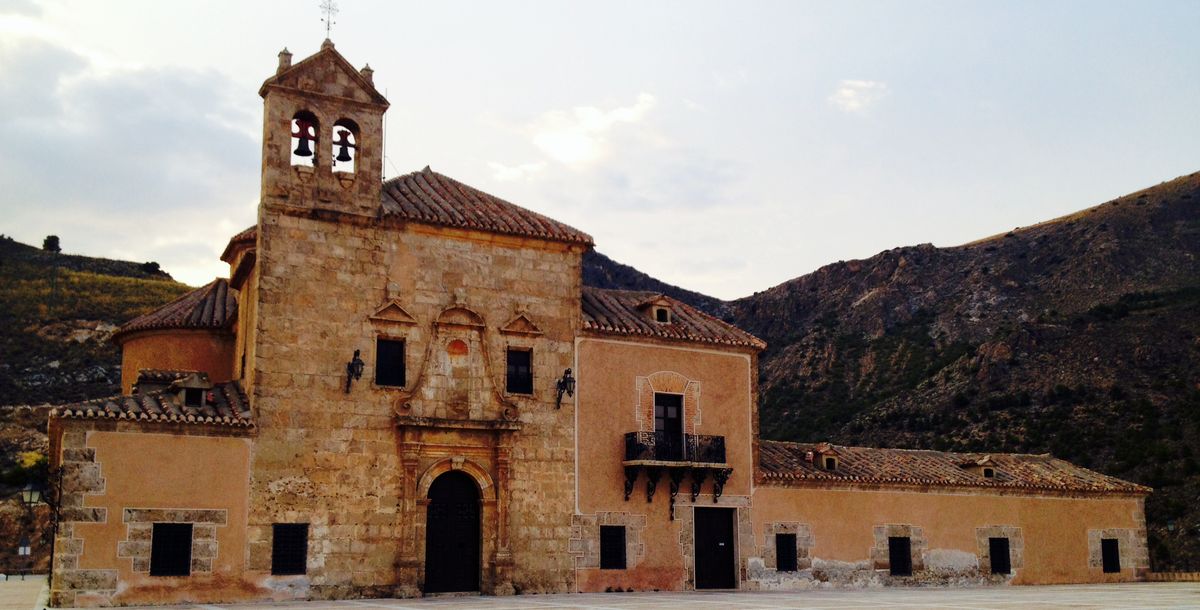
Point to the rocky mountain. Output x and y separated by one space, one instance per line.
600 271
1079 336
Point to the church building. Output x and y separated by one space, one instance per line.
404 388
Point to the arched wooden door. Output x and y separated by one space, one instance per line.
452 535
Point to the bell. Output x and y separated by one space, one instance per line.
344 145
303 135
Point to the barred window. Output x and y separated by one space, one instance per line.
171 549
785 552
289 548
612 547
1110 551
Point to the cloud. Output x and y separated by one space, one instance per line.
20 7
148 164
524 171
579 136
857 95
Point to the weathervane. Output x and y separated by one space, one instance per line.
329 7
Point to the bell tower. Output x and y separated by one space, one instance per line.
322 136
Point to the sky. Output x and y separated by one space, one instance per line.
725 147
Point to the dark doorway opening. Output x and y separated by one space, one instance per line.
999 556
715 557
452 534
1110 550
900 555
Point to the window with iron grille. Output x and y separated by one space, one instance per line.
289 548
171 549
389 362
1110 551
612 547
900 555
1000 555
785 552
520 371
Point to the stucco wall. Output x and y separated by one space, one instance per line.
1054 533
616 380
116 484
192 350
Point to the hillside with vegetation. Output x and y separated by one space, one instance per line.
57 312
1078 337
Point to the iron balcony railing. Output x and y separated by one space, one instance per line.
665 447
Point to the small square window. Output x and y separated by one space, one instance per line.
193 397
520 371
612 547
989 473
289 548
785 552
662 315
389 362
171 549
830 463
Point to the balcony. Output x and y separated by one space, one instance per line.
695 456
695 449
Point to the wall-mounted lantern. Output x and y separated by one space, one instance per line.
31 495
354 369
565 385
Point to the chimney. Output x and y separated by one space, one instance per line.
368 74
285 60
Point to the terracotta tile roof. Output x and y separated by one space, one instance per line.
248 237
429 197
209 307
620 312
229 407
160 376
786 463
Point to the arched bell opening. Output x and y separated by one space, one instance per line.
345 146
453 534
305 130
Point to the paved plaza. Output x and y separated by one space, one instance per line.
1124 596
24 595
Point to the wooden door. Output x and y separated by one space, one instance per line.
452 535
715 557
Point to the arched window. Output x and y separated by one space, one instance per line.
345 145
304 138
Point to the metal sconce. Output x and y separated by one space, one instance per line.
566 385
354 370
30 495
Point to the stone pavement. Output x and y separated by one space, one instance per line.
21 594
1125 596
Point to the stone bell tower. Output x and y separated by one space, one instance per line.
322 136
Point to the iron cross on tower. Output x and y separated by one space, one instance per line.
329 7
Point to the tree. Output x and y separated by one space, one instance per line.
50 244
